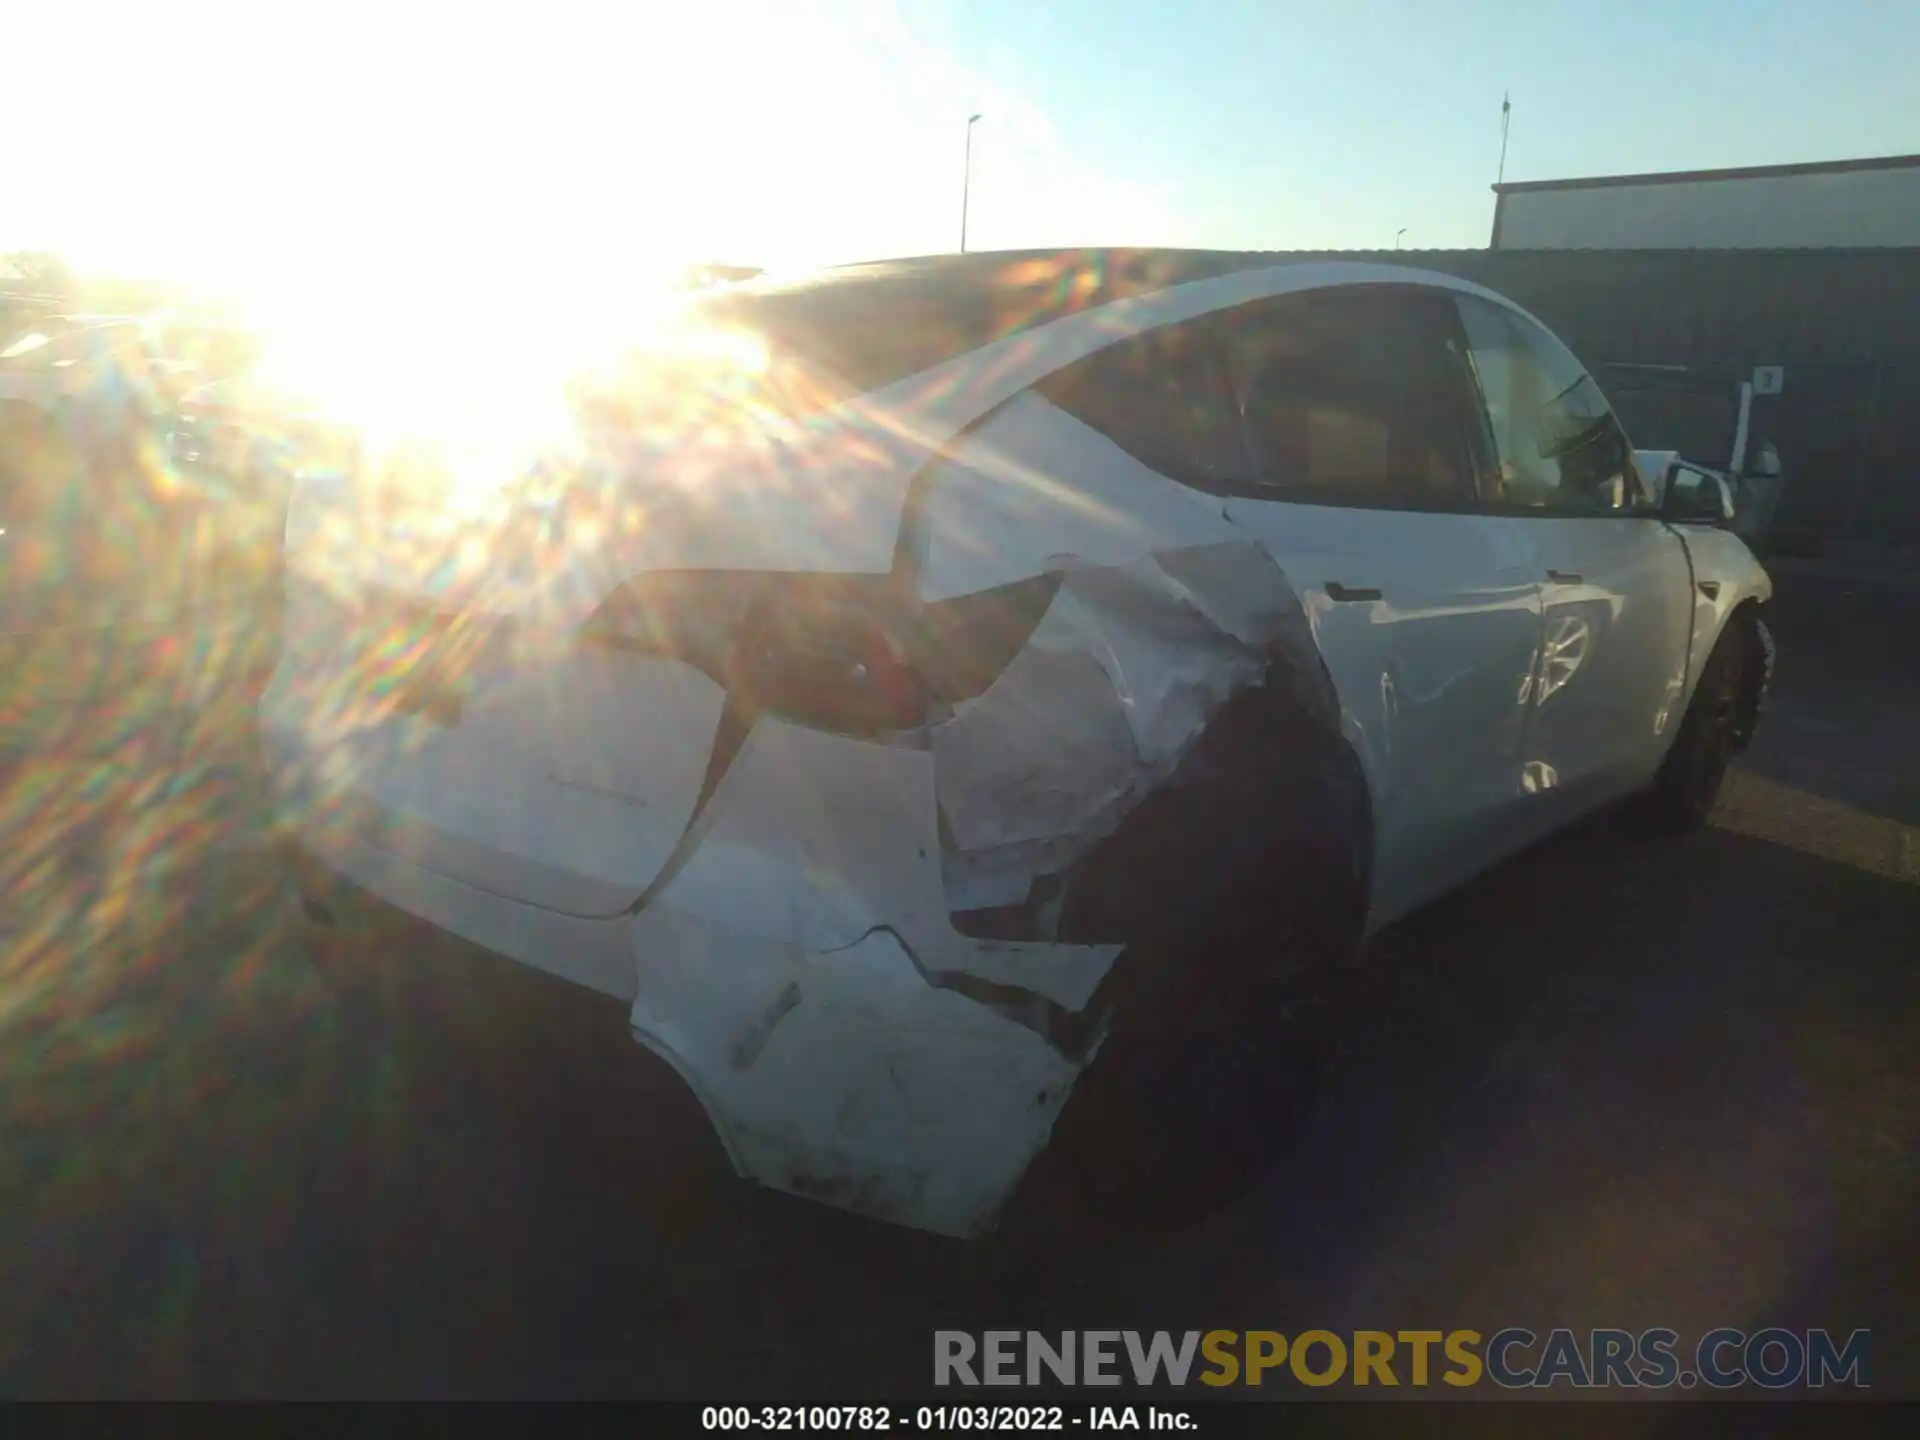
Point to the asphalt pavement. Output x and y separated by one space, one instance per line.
1617 1082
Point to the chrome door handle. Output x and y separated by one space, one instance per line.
1337 591
1561 577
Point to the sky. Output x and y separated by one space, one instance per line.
326 149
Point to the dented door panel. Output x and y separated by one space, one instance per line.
1431 675
1618 607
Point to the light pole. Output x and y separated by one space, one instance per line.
966 183
1396 236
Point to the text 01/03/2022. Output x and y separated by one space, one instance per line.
939 1418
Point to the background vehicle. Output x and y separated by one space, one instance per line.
238 444
95 392
116 579
1708 417
984 743
158 357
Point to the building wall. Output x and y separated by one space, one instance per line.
1835 208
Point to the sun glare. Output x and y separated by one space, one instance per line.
481 387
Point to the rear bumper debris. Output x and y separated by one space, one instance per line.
840 1075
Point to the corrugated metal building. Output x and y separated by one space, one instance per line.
1838 203
1843 324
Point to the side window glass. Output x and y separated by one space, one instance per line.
1349 397
1560 447
1160 397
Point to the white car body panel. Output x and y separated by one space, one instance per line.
863 816
1726 575
837 1073
1614 660
787 940
1431 676
1034 489
552 790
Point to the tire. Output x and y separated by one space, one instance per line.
1688 786
1208 1071
1240 890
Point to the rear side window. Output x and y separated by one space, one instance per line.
1353 397
1560 447
1163 398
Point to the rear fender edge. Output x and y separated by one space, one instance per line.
1271 789
1727 580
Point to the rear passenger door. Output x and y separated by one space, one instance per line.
1366 444
1616 587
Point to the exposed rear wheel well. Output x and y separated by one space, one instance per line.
1238 890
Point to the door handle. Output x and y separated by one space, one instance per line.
1562 577
1337 591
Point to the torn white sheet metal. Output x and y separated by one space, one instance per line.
843 1076
1241 588
1114 688
817 840
1047 751
1167 609
798 970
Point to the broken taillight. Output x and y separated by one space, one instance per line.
852 654
825 661
965 643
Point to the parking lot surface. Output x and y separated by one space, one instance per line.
1618 1082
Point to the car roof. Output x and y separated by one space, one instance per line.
1076 279
880 321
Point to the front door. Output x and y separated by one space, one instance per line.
1616 589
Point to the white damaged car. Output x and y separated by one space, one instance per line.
995 706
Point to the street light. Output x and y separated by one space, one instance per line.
966 183
1396 236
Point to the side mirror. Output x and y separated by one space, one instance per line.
1696 497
